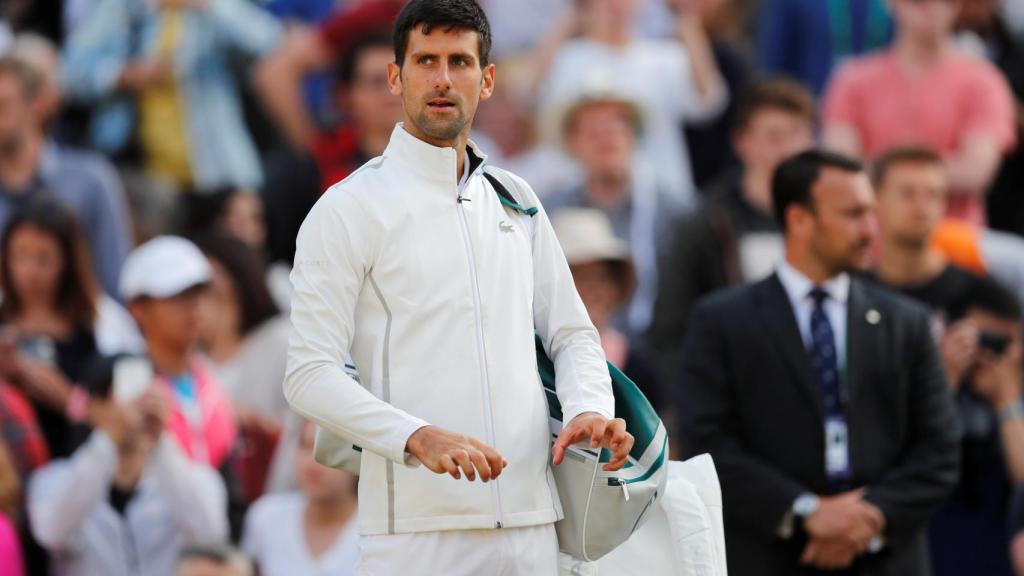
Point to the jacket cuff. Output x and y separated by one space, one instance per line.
400 440
574 411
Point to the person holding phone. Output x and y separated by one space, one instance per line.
129 499
977 325
55 318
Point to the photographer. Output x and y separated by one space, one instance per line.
977 325
129 499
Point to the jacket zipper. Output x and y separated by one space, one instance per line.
488 417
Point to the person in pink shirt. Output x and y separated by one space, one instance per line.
11 563
924 91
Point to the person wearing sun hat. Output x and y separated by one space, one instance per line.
605 277
600 130
161 283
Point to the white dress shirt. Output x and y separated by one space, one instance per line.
798 287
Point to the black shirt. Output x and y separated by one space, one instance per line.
948 294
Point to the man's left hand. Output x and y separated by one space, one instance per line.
610 434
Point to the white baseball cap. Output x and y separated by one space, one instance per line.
163 267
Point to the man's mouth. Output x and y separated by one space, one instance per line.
441 104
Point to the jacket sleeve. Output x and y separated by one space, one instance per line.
756 494
194 493
920 482
570 339
63 494
332 259
97 51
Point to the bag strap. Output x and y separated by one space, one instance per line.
506 197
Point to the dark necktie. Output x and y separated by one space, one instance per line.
824 359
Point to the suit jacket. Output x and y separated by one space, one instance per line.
750 399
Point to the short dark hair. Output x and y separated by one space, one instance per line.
987 295
775 94
448 14
345 72
794 178
902 155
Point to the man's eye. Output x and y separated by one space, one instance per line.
426 59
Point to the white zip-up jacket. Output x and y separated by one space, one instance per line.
436 290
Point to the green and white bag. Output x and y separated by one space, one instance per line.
603 509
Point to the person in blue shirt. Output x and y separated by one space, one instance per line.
806 39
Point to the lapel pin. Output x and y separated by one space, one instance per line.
873 316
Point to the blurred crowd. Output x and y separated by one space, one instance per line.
157 158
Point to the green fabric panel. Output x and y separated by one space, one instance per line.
630 403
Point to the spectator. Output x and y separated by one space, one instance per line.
11 562
970 534
58 320
245 338
163 282
212 560
925 91
602 270
806 39
820 468
600 131
912 187
128 500
296 179
673 80
983 251
305 51
710 144
982 29
318 523
32 167
733 239
170 58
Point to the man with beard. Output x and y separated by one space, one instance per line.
435 285
820 396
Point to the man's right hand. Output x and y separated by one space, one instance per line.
447 452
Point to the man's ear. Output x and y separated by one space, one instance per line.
395 78
487 86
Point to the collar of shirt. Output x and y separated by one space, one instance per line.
798 287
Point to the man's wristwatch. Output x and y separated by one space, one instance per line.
805 505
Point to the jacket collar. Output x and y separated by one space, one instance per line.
434 164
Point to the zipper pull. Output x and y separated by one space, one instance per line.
622 484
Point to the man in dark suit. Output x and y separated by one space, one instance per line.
820 396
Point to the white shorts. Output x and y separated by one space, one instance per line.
529 551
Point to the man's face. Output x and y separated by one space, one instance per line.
369 99
911 201
15 117
771 136
601 138
173 322
926 18
842 224
441 84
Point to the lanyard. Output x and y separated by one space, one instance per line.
841 17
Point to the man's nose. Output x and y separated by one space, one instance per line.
442 77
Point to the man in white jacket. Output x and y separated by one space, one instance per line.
435 286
